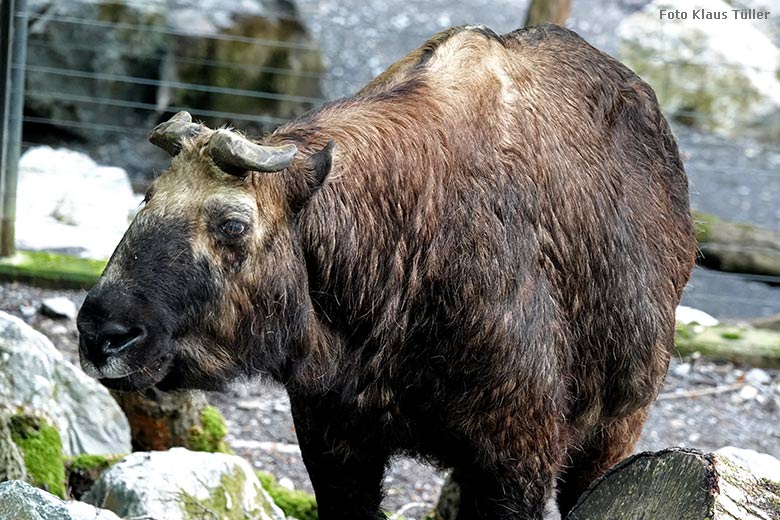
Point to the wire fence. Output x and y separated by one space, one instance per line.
103 71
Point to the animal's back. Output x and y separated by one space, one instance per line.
526 188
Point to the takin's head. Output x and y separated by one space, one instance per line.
209 266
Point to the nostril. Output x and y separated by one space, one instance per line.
114 338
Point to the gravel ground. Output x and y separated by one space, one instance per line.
744 411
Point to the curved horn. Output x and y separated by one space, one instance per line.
169 135
237 155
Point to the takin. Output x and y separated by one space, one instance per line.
474 260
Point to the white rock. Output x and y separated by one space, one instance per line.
21 501
683 369
761 465
33 374
727 70
65 201
286 483
160 484
82 511
757 376
688 315
748 393
59 307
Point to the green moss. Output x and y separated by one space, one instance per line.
731 334
90 462
294 503
42 449
224 502
51 270
210 435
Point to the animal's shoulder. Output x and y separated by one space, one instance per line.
440 46
469 48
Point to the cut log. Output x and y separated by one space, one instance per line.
734 343
737 248
680 483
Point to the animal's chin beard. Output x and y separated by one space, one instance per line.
142 378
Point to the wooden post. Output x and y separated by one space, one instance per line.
13 47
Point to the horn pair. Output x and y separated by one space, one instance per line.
231 152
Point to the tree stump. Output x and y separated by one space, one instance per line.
680 483
159 421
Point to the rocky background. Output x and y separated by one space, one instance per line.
718 83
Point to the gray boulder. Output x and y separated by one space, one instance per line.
178 484
34 375
21 501
719 75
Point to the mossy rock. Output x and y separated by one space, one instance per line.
222 502
210 435
83 470
41 448
294 503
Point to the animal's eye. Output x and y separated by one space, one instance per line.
233 228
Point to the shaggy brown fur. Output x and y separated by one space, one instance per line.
483 273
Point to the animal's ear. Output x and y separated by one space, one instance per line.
318 167
315 171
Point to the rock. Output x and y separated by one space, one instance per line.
682 370
41 448
179 483
81 511
21 501
11 457
721 75
286 483
757 376
34 375
67 202
688 315
747 393
59 307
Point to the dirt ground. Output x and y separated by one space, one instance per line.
704 405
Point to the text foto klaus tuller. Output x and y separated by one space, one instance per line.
707 14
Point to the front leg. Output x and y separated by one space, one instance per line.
346 466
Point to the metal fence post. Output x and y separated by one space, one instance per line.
13 47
